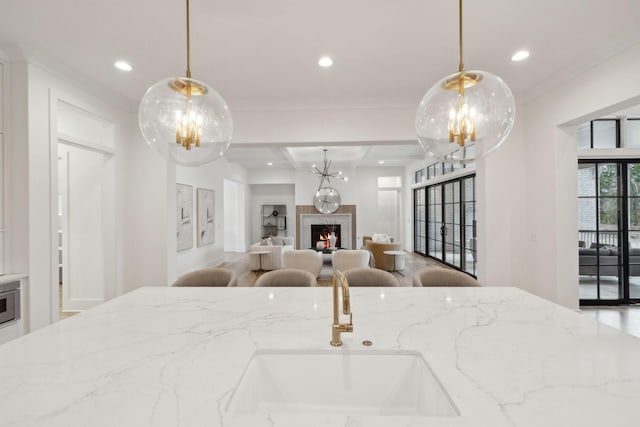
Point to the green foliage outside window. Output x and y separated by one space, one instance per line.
608 182
634 195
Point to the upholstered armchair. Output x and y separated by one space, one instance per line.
303 259
286 277
438 276
215 276
346 259
370 277
384 261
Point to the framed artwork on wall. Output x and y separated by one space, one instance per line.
184 216
206 220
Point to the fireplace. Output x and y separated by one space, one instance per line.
346 221
321 232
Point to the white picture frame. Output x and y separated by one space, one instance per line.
206 217
184 216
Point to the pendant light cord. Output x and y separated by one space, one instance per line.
189 45
461 66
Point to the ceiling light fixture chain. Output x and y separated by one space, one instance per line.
189 44
461 62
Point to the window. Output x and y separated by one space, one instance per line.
419 176
632 135
389 182
601 133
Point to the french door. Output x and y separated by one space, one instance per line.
609 231
450 223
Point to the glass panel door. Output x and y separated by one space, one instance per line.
434 221
420 227
469 230
451 223
600 254
633 233
451 231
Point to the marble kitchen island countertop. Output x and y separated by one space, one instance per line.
173 357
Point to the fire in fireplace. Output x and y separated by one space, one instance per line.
321 232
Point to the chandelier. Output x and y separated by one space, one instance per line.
465 115
327 199
184 119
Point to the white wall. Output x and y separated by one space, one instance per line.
550 160
500 211
361 190
234 216
210 176
32 143
144 190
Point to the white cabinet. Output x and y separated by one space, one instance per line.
10 332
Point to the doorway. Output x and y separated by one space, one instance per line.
448 222
86 241
609 231
234 217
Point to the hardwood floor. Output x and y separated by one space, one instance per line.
625 318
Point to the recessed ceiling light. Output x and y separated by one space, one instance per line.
381 162
122 65
325 62
520 55
269 164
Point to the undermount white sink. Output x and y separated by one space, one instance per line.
387 383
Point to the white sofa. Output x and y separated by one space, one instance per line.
272 260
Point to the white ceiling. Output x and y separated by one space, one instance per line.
263 54
342 157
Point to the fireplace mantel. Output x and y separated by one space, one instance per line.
308 215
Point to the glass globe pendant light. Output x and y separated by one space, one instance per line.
327 199
466 115
184 119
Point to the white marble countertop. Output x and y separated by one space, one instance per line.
173 356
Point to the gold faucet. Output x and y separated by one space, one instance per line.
337 328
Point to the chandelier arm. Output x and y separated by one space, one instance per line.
461 65
189 44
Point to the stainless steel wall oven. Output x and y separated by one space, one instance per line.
9 302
